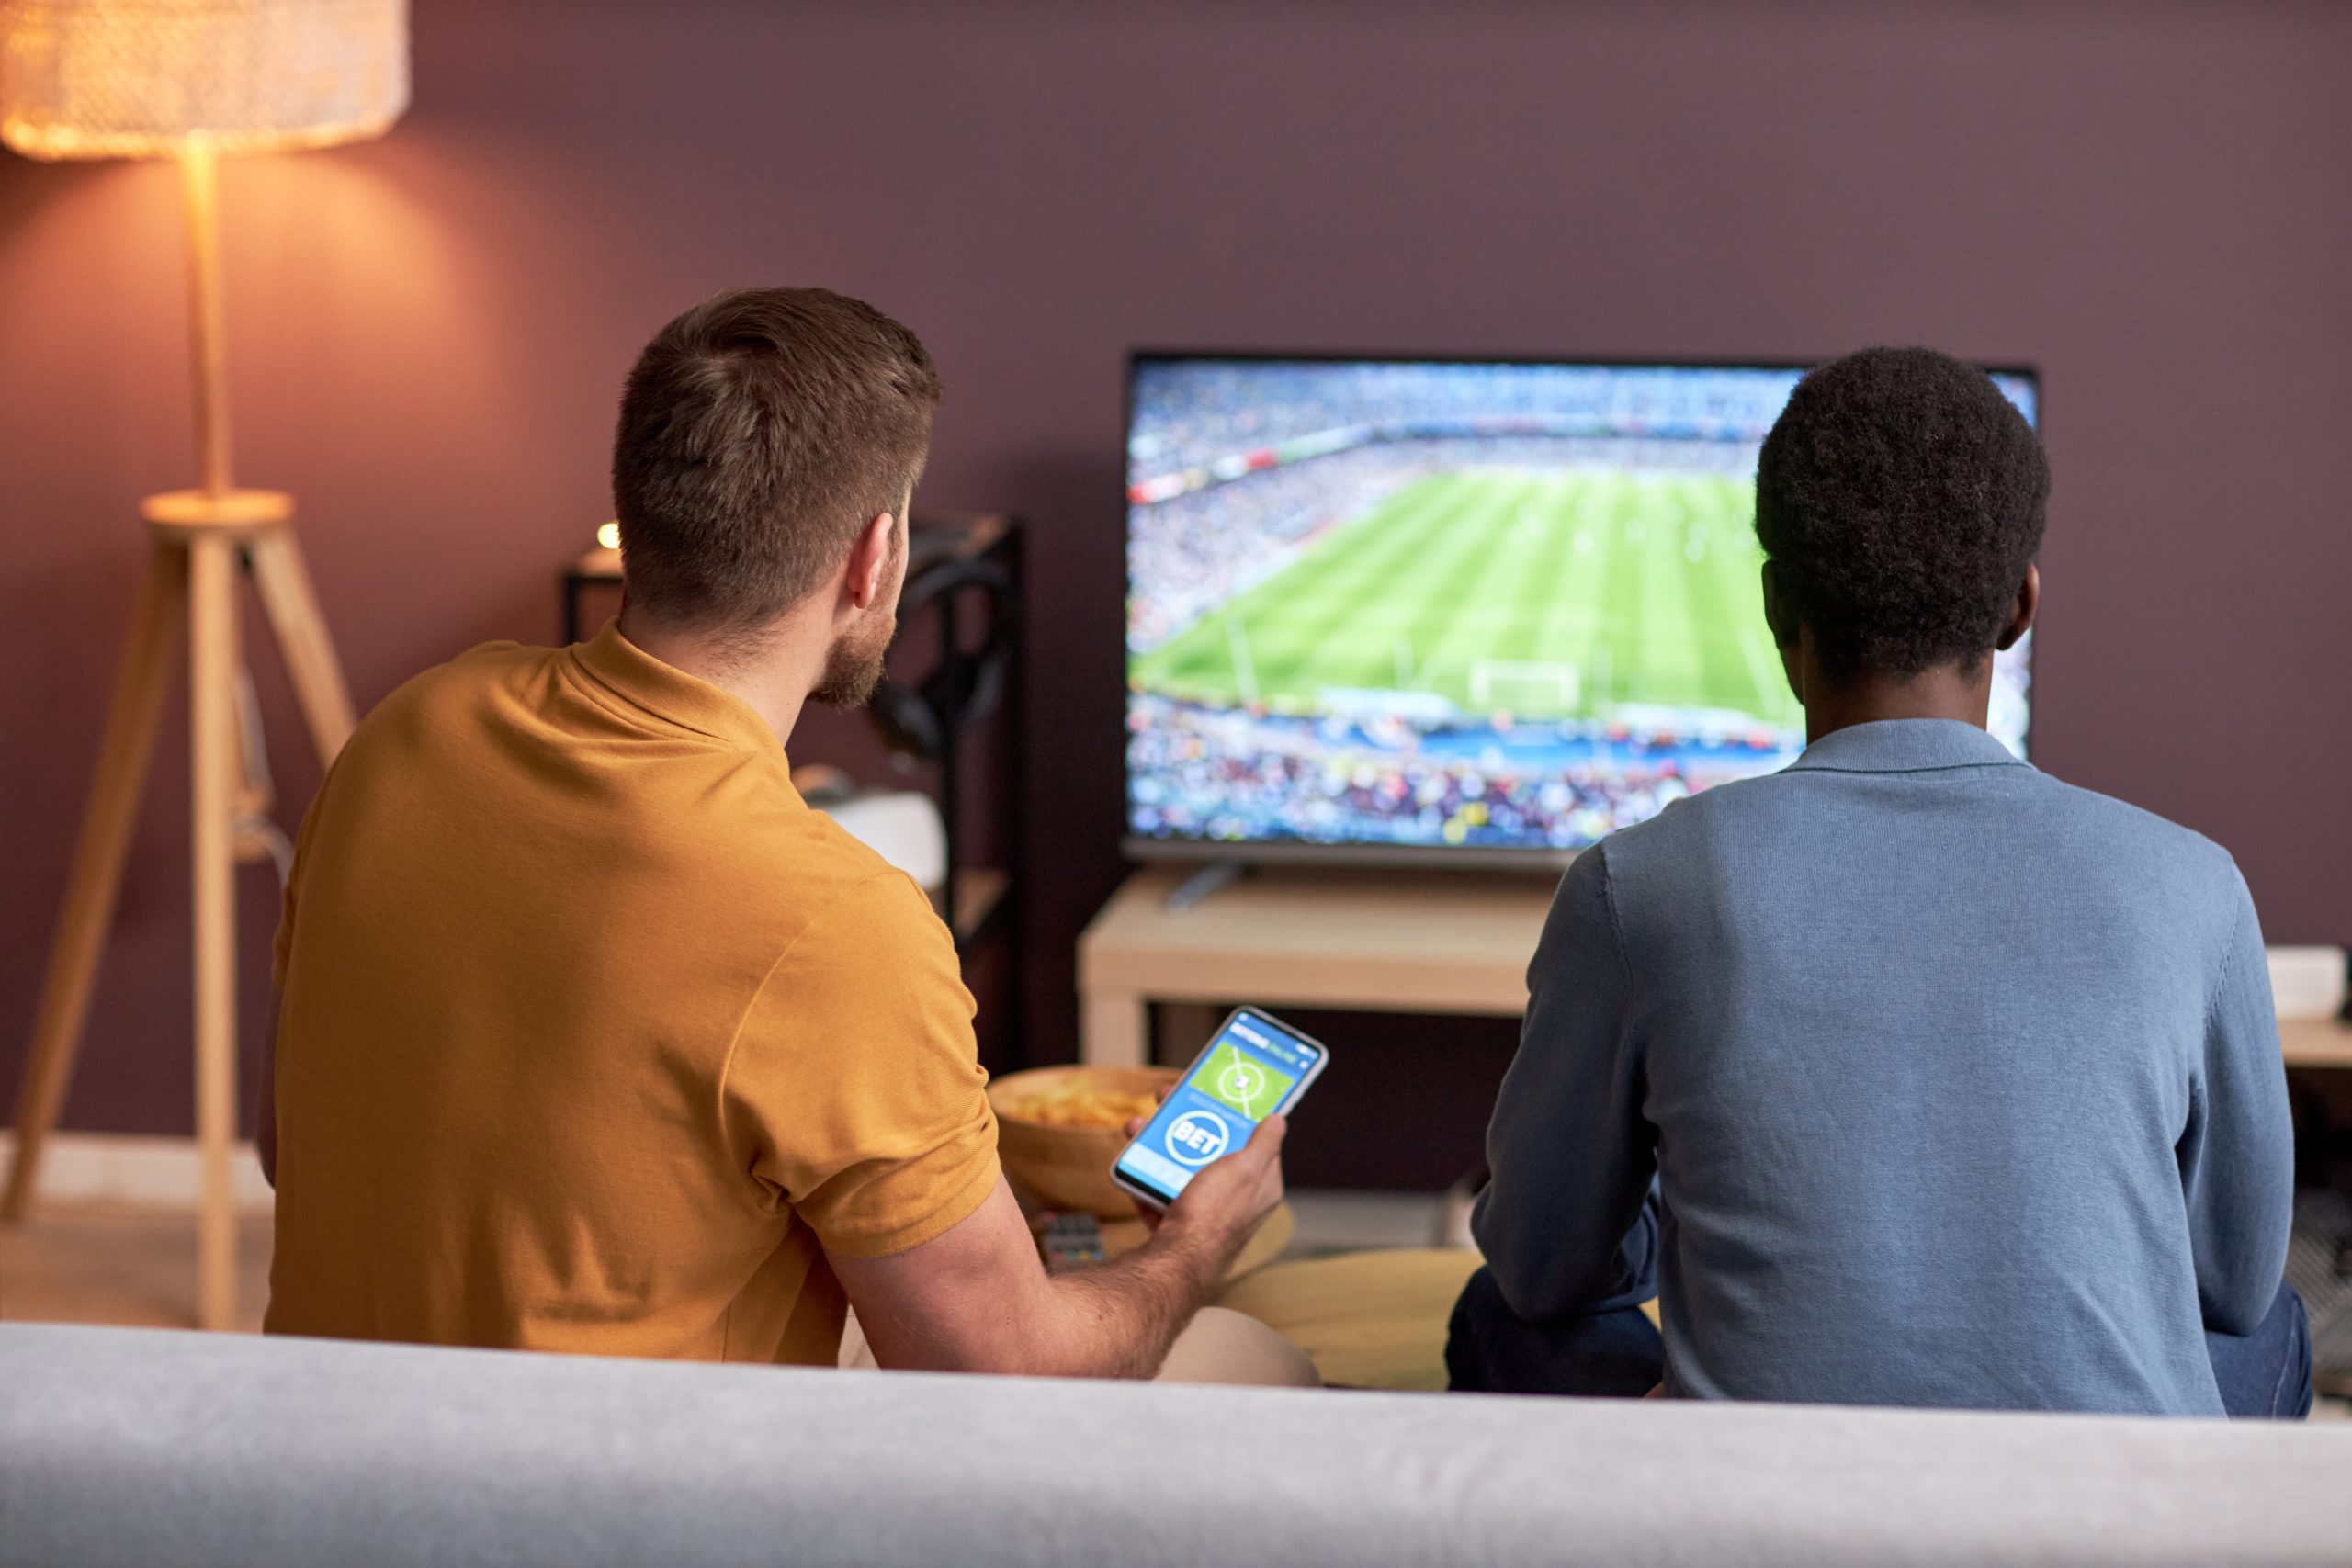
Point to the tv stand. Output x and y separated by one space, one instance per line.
1284 936
1355 939
1204 884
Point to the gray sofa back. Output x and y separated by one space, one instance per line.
160 1448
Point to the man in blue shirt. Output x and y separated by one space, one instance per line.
1907 1075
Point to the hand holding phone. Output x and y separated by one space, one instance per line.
1251 1175
1219 1211
1255 1069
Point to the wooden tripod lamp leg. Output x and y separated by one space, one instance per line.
293 609
216 770
96 875
201 538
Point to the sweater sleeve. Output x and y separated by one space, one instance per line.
1564 1222
2236 1154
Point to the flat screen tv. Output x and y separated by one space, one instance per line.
1480 612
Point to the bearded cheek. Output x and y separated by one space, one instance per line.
854 666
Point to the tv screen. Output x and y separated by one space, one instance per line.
1482 611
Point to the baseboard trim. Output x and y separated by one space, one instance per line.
138 1172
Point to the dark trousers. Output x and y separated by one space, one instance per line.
1491 1350
2267 1373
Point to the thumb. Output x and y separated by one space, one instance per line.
1266 1142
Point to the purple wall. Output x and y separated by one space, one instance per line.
2150 200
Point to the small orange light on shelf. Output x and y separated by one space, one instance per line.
608 536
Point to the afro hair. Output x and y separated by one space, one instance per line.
1900 499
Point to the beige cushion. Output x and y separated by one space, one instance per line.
1368 1319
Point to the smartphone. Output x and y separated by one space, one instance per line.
1255 1066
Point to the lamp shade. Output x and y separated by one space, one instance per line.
142 78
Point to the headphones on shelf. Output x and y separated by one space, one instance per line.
919 721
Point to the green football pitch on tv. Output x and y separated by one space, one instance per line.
1542 593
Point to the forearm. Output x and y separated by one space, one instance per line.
977 1299
1117 1319
1550 1267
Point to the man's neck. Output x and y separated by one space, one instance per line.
1948 692
773 674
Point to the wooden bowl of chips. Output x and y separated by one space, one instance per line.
1059 1128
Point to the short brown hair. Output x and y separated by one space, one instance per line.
759 432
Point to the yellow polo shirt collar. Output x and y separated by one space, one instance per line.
668 694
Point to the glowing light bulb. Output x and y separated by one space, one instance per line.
608 534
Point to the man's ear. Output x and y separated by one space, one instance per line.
869 559
1775 609
2021 612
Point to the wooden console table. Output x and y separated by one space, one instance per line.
2317 1042
1373 942
1369 940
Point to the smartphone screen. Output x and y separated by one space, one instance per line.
1254 1067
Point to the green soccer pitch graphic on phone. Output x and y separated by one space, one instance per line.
1255 1066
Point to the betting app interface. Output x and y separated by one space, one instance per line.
1241 1080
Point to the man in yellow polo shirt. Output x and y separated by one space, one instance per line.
593 1036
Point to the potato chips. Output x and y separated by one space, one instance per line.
1079 1102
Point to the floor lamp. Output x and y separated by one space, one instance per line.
192 80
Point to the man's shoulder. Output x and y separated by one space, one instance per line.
852 893
2108 814
2042 815
2102 825
792 870
723 819
468 681
1688 819
794 875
